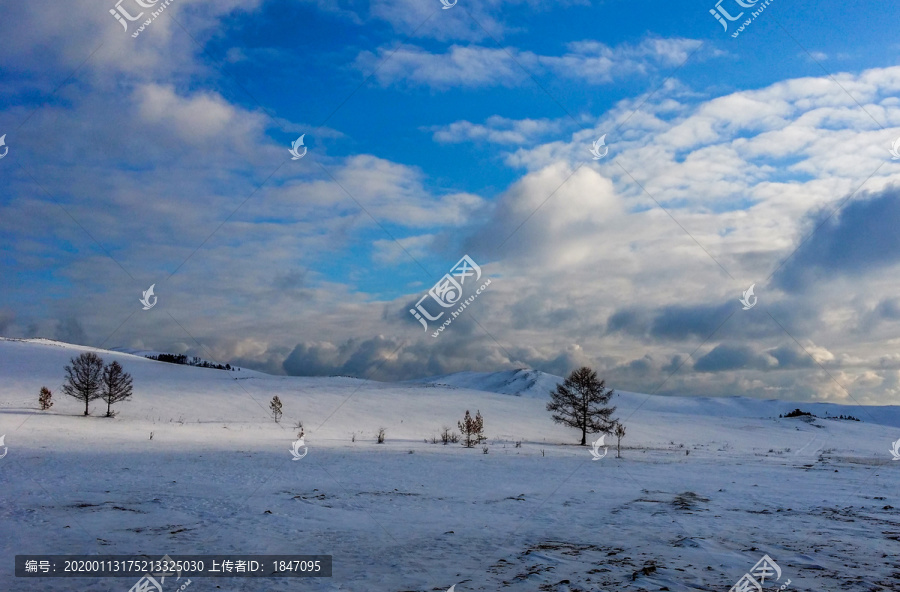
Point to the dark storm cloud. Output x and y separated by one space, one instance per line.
357 358
675 323
642 374
888 309
791 357
6 320
684 322
721 320
881 317
731 357
628 321
862 237
642 365
71 331
383 358
674 364
455 350
561 365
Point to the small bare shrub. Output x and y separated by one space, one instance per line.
275 407
45 399
447 436
381 435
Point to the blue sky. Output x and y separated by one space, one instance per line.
759 159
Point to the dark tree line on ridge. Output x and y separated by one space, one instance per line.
193 361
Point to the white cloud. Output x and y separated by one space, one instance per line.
154 168
394 193
498 130
598 63
471 22
477 66
195 119
460 66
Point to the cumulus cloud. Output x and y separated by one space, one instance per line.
859 239
478 66
302 271
732 357
498 130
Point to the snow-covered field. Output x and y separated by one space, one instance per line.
704 487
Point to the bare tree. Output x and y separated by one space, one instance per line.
447 436
472 429
579 403
275 406
115 387
45 399
83 378
619 431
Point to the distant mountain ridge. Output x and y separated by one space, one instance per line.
535 384
522 382
27 364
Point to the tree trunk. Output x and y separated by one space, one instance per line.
108 406
583 425
618 447
86 405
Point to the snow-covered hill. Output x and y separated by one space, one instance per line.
522 382
704 486
526 382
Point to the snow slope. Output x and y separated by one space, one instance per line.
534 383
704 487
522 382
